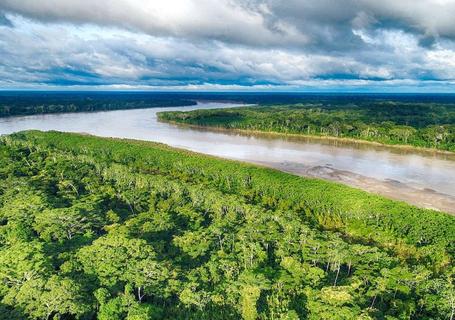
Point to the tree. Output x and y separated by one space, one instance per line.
117 261
402 133
195 244
56 296
65 223
22 262
436 134
249 296
111 257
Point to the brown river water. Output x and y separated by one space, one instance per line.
425 179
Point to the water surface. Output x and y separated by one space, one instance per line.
422 178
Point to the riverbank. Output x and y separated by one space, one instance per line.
410 148
392 189
345 197
361 166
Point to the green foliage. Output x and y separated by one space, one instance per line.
56 296
249 297
94 228
427 125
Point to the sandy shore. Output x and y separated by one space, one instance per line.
424 198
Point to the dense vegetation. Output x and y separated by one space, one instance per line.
20 103
430 125
110 229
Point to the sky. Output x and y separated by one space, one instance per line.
237 45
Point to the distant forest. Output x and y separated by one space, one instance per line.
419 124
16 103
20 104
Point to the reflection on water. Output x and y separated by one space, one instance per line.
351 163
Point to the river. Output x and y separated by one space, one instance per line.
424 179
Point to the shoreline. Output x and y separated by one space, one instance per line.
315 137
345 181
390 190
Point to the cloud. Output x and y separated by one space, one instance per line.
226 43
254 22
4 21
195 19
429 17
92 52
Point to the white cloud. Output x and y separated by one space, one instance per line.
198 19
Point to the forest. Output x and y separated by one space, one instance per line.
419 124
97 228
19 103
25 103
